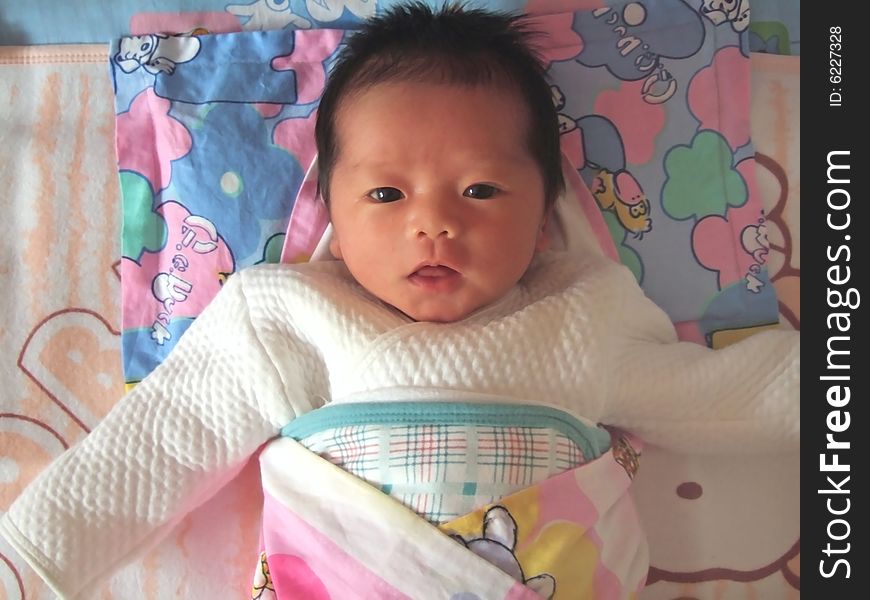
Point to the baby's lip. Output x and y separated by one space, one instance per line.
435 278
433 269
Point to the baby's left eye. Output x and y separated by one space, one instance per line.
481 191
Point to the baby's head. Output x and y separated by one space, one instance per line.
439 158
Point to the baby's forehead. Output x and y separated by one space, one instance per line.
474 120
490 98
435 85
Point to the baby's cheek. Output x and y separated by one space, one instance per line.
495 280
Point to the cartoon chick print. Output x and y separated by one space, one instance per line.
621 193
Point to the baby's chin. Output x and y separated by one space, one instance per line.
437 315
442 311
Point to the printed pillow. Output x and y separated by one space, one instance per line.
215 135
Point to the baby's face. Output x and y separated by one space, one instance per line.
437 206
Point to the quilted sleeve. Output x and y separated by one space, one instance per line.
164 449
687 397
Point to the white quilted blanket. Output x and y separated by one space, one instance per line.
577 334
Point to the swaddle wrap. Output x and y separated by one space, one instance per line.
328 534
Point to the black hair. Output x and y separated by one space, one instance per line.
453 45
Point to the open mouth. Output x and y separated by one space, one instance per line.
436 278
434 271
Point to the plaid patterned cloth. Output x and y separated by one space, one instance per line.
446 471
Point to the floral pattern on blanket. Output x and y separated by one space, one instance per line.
209 166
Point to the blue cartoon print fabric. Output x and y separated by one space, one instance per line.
215 134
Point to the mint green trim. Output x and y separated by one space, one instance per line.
592 441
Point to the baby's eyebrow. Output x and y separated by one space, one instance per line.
498 161
372 164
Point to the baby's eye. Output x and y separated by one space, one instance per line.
385 194
481 191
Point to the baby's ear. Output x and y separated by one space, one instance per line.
335 246
543 242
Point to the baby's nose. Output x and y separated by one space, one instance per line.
434 219
433 231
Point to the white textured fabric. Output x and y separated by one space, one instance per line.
278 341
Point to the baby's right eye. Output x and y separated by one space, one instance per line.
385 194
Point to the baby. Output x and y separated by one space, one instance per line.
448 360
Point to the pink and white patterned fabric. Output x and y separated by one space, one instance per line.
327 534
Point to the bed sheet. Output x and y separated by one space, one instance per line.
719 503
719 527
60 370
